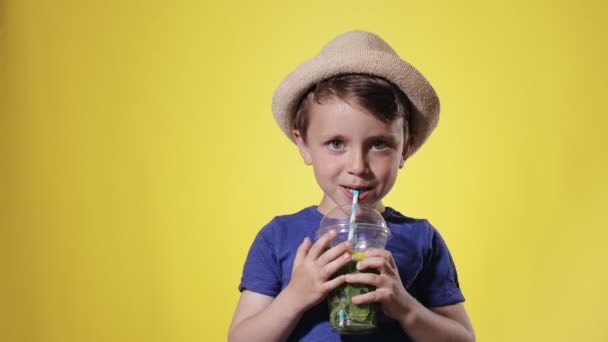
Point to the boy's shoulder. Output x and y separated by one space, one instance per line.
391 215
409 227
309 213
306 218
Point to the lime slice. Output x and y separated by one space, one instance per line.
358 256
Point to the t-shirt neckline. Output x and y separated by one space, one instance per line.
388 211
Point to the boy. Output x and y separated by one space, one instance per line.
356 112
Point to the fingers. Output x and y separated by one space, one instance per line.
378 263
334 252
372 279
333 283
383 253
302 251
332 267
381 282
366 298
317 249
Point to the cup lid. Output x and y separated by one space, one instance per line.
340 217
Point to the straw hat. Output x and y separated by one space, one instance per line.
359 52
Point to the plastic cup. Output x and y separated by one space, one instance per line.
370 231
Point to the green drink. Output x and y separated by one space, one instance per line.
346 317
369 231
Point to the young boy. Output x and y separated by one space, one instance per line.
356 112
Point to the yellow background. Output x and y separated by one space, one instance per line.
139 158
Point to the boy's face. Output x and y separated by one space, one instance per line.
351 149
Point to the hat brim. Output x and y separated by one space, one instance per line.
389 66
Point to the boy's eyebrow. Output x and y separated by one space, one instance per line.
390 137
338 136
329 136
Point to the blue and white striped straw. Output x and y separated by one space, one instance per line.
351 230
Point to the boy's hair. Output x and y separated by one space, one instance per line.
381 98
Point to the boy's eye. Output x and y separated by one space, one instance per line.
336 144
379 145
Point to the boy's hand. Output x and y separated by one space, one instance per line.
389 288
312 268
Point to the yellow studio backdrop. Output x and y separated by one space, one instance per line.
139 158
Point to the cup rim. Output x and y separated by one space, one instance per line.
344 227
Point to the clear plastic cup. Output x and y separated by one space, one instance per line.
370 231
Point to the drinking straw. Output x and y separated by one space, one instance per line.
351 230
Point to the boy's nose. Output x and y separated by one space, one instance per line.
357 164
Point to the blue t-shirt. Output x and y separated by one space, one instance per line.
422 257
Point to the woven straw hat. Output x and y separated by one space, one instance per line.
359 52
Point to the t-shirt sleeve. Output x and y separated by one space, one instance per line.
440 279
261 272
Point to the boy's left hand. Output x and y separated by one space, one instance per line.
389 288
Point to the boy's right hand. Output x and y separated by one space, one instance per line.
312 268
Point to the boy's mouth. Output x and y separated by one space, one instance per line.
363 191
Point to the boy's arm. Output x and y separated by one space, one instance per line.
444 323
263 318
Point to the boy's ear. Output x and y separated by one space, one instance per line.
408 147
304 152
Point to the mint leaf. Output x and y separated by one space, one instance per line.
359 312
